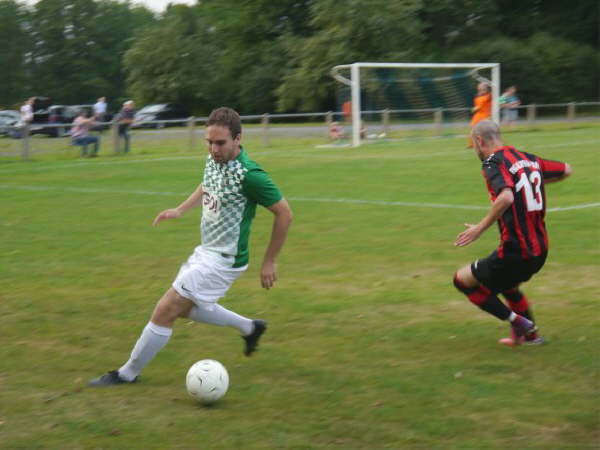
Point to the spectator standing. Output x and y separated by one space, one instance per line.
21 128
125 119
509 102
80 134
27 111
100 109
482 106
347 111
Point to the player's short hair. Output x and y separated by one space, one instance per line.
488 130
228 118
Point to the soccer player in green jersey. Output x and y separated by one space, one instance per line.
233 185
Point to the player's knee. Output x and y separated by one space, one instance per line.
164 314
458 284
170 307
464 280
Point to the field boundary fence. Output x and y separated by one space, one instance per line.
267 127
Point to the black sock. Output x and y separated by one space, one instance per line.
495 307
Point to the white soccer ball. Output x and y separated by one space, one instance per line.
207 381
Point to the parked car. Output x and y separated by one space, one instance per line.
8 119
67 113
47 117
40 109
149 114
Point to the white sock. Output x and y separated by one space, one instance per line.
152 339
512 316
215 314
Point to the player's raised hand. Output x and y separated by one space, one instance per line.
469 235
268 274
173 213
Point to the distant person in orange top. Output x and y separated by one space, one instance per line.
347 111
482 106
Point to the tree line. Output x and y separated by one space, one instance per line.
266 56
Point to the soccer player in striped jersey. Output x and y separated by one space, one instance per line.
232 187
516 184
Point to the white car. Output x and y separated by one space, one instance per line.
8 119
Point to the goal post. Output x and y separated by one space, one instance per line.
359 88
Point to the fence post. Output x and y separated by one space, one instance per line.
25 150
265 129
192 132
385 121
571 111
115 134
437 119
328 118
531 112
328 121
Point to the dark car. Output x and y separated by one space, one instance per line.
40 109
67 113
150 116
64 114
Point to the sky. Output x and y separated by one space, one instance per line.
155 5
161 5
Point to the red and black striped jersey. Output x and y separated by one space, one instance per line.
522 227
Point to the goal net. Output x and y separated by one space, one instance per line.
399 100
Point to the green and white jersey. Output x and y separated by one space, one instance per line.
231 192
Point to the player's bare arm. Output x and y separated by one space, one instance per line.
195 199
472 233
281 223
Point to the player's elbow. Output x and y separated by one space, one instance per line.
283 220
506 197
283 213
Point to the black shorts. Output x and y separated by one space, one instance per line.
501 274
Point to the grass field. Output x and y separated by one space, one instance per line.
369 344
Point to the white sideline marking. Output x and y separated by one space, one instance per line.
295 199
97 163
292 152
87 190
569 208
384 203
566 144
201 158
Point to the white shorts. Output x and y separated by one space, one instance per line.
206 276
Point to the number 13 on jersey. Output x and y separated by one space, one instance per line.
532 186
